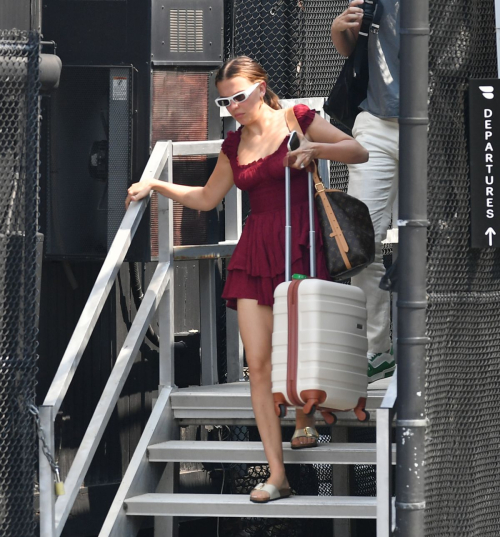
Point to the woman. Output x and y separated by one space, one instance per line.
252 158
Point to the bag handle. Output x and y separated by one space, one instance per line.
293 124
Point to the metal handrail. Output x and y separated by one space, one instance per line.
54 512
102 286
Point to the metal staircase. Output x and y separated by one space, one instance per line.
210 405
151 480
230 403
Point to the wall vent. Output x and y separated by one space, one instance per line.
186 30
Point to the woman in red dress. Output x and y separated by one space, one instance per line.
252 159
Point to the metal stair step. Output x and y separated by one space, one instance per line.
253 452
238 505
231 403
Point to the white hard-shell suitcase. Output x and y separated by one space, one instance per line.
319 341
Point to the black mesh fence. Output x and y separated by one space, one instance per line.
19 116
463 320
291 40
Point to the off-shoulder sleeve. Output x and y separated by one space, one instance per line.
304 116
230 144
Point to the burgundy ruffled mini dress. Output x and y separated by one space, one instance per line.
257 266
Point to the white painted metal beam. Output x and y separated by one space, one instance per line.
208 323
233 400
253 452
205 251
141 476
209 147
238 505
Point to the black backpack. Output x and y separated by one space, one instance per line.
350 88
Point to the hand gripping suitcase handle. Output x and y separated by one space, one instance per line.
288 227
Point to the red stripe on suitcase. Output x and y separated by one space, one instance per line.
293 344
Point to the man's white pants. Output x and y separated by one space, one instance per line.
375 183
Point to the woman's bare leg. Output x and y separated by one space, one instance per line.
256 328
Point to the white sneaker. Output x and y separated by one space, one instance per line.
380 365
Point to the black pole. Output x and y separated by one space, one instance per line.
411 332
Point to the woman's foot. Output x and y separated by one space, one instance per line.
305 435
270 490
305 438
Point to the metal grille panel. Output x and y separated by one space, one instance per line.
269 31
19 118
180 113
463 366
292 42
186 30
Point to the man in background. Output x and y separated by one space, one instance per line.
375 182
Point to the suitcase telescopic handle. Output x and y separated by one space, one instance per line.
288 226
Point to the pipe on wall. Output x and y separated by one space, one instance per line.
412 257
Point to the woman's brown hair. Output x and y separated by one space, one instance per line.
247 68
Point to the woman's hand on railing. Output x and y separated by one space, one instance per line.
137 191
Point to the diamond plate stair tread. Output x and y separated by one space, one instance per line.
253 452
238 505
232 400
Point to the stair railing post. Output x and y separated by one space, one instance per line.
385 416
233 225
233 228
208 323
46 477
166 253
167 525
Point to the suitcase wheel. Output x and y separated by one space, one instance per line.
310 407
363 415
280 410
311 411
329 417
360 411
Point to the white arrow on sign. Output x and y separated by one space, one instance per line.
490 232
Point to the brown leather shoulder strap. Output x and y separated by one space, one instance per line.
293 125
336 230
291 121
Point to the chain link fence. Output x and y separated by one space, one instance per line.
463 317
19 118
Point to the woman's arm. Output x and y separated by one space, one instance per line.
201 198
325 141
345 28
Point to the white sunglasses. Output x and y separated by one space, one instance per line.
237 97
